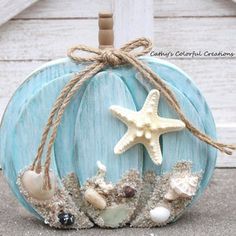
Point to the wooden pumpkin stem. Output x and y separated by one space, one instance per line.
106 34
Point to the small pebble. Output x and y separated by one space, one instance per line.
129 191
66 218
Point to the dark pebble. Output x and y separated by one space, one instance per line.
66 218
129 191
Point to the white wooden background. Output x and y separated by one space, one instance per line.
45 31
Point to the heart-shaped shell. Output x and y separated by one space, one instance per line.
32 182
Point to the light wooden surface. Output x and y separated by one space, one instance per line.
10 8
25 43
133 19
31 40
167 8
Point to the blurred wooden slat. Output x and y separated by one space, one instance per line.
44 39
226 133
31 40
132 19
194 34
10 8
178 8
167 8
66 9
216 80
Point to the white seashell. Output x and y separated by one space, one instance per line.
32 182
182 187
185 187
171 195
160 214
106 188
101 166
94 198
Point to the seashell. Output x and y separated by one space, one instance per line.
101 166
182 187
171 195
105 188
95 199
160 214
32 182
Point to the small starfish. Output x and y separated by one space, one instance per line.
145 126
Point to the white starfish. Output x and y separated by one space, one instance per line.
145 126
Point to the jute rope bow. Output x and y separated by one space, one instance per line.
100 60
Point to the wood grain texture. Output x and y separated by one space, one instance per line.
10 8
133 19
221 98
97 131
66 9
183 8
167 8
217 83
178 79
30 40
12 159
12 74
181 143
194 34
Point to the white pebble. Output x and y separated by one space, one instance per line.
160 214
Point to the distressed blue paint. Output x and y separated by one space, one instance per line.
21 147
19 129
34 82
98 131
182 145
64 145
173 75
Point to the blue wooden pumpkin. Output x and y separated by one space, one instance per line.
88 132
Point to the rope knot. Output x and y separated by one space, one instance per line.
110 57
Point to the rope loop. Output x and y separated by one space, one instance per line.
111 56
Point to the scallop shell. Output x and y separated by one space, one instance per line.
182 187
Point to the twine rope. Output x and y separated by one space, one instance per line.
100 60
